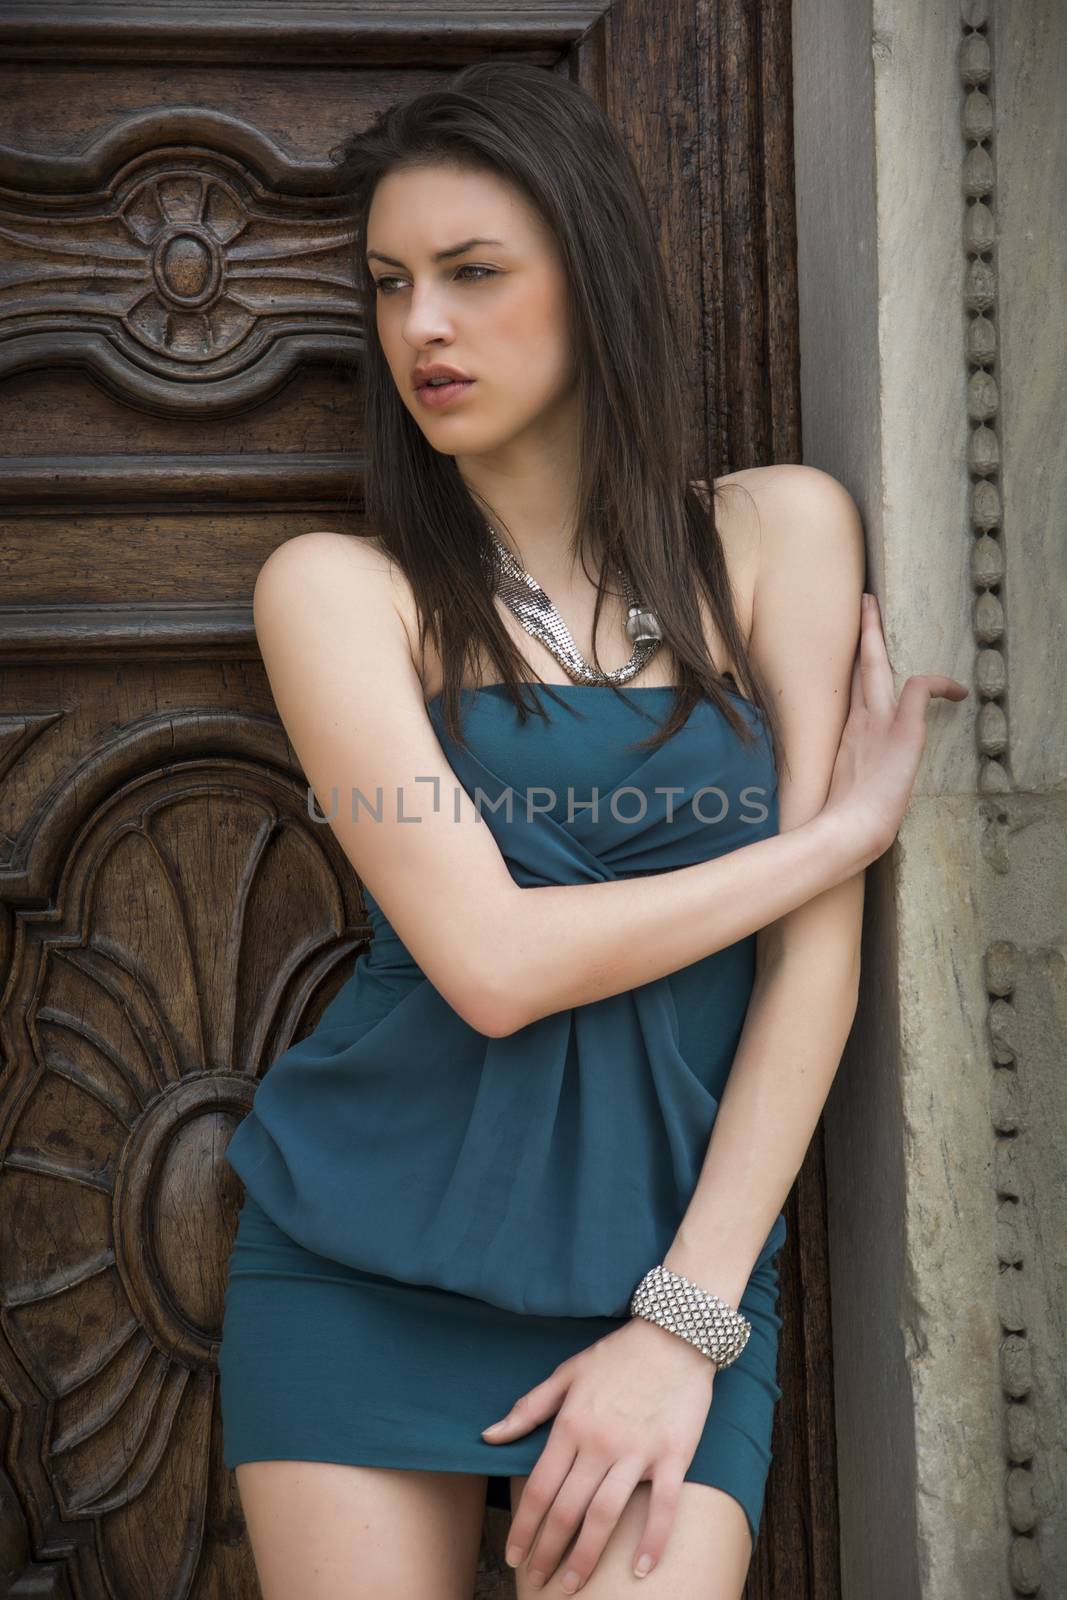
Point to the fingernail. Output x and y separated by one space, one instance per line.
866 601
513 1555
643 1567
493 1426
571 1581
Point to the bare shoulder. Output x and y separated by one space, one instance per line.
781 517
801 513
806 618
359 568
323 549
340 671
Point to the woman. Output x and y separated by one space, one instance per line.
476 1191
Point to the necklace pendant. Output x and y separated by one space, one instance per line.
643 627
534 610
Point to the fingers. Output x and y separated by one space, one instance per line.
604 1507
856 687
542 1486
916 695
667 1481
531 1408
592 1501
585 1502
876 674
946 688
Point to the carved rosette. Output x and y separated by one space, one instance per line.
173 271
204 922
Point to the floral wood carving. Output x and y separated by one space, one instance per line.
205 920
183 258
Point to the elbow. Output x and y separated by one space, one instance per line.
488 1018
485 1005
491 1012
495 1025
490 1000
496 998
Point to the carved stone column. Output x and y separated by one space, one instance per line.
931 168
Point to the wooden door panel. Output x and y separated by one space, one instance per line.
178 343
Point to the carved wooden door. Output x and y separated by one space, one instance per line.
177 345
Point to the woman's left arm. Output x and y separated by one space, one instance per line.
799 1017
633 1405
805 628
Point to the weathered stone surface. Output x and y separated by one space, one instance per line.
931 175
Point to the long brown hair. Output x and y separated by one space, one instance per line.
636 506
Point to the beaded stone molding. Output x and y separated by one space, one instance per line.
1021 1430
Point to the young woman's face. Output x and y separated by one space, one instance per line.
493 310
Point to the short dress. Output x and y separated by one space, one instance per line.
433 1219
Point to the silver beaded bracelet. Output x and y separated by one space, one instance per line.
682 1307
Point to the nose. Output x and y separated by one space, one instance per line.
427 322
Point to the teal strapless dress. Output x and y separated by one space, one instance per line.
433 1219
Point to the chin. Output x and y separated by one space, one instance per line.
469 441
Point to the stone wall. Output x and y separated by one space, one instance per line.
931 164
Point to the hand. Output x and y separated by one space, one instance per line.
631 1406
883 740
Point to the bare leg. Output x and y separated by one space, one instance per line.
707 1555
326 1531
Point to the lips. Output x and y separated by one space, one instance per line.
422 376
435 396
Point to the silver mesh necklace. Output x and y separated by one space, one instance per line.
525 597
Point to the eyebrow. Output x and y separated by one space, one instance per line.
440 255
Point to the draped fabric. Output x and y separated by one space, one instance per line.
546 1171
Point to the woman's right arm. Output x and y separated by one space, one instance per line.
329 622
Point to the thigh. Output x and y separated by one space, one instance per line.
327 1531
708 1552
